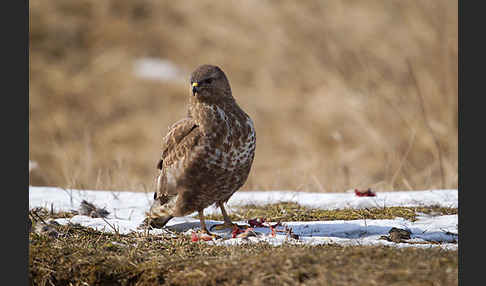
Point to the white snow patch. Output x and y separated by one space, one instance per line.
127 211
443 198
158 69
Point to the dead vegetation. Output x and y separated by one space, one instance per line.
328 84
289 211
83 256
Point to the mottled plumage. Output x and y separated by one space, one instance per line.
207 156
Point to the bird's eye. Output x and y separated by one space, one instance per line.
208 81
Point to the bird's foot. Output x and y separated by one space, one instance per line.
230 226
205 235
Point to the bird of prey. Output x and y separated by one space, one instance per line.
207 156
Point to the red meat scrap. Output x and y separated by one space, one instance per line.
366 193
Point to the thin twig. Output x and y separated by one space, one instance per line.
403 159
70 194
426 121
114 229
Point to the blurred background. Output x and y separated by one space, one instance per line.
344 94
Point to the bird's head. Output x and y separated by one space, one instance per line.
209 83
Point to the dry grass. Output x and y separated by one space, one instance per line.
83 256
289 211
335 103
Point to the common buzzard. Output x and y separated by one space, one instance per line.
207 156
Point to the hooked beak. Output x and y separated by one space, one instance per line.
195 88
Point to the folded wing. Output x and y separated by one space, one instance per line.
178 147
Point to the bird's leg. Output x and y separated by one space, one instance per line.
227 221
203 225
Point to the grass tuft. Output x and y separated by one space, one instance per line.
326 83
86 256
290 211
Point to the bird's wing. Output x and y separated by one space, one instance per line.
182 136
178 146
